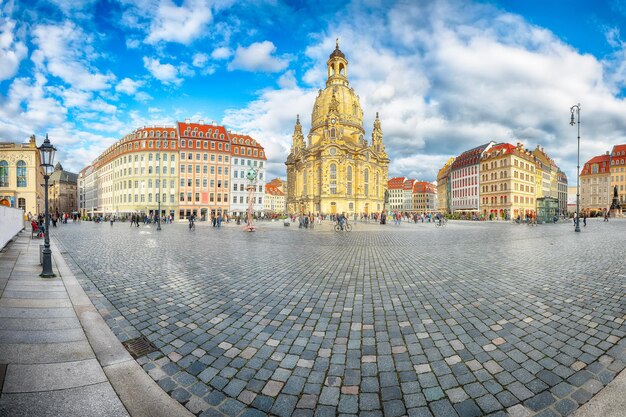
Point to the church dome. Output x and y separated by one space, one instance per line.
348 106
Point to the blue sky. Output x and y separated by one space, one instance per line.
445 76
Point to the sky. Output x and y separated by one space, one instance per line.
445 76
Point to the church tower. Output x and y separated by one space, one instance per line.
337 170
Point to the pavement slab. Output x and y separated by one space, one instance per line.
487 316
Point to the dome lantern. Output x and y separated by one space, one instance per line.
337 67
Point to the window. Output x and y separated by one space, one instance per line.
21 203
21 174
333 179
366 182
349 181
4 174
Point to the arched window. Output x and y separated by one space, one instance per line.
366 182
304 181
349 180
21 203
377 186
342 70
333 133
4 174
21 174
333 179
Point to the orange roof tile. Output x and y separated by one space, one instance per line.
603 162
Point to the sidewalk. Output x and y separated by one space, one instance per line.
57 355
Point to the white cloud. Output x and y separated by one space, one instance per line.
181 24
258 57
200 59
11 51
221 53
448 76
166 73
128 86
65 51
27 108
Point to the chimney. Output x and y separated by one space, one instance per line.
214 123
187 121
607 152
200 122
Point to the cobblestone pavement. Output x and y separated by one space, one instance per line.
472 319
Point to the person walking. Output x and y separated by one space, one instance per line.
585 220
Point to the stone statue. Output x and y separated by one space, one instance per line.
386 196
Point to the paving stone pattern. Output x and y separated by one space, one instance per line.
474 319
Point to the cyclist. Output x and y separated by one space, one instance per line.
341 219
192 219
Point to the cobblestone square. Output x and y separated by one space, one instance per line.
473 319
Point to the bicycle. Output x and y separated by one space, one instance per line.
441 222
347 227
192 226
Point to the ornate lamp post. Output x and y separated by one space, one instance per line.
576 108
46 152
251 176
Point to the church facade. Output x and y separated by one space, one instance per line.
335 169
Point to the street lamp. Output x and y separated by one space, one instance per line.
160 187
46 151
576 107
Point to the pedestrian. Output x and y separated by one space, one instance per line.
585 220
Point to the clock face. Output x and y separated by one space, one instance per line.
332 151
333 120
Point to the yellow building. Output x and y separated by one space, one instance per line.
596 193
618 173
507 182
138 171
21 177
443 187
336 170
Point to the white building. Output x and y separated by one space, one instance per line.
246 153
465 180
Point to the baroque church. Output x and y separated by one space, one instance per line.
336 170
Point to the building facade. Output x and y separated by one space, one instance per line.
186 169
135 174
424 197
336 169
63 191
596 193
21 177
395 188
465 180
204 187
274 200
407 192
562 192
618 173
507 182
443 187
246 153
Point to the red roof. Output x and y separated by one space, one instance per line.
396 183
470 157
619 152
247 142
193 131
408 185
603 162
422 187
270 189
